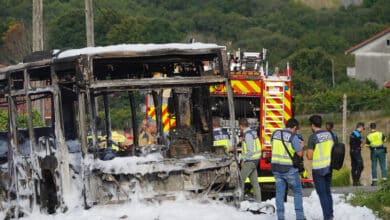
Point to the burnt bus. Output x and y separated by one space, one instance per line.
73 90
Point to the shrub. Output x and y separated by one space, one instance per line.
341 177
22 121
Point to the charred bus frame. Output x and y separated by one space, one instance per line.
70 83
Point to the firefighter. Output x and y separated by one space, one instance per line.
116 145
148 136
221 137
118 140
304 176
375 141
250 158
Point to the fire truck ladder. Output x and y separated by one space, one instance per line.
273 109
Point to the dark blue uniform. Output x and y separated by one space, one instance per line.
355 141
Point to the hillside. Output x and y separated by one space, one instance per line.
312 40
318 4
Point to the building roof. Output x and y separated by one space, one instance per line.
387 84
367 41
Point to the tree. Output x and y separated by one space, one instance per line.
278 45
16 44
68 31
159 30
129 30
313 66
104 21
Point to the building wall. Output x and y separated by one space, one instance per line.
375 66
372 61
380 45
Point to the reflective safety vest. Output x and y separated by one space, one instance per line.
146 138
101 140
375 138
322 150
117 138
303 174
256 146
221 139
279 153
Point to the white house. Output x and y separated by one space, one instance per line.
372 58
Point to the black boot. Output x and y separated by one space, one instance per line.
356 183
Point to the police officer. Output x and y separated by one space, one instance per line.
355 143
319 148
221 137
329 126
282 166
250 158
374 141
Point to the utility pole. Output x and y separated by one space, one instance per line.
89 23
345 118
334 84
37 25
37 45
90 33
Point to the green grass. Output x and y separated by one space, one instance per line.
341 177
378 201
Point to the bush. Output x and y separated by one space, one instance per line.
22 120
341 177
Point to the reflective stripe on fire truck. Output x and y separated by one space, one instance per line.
276 108
287 101
240 87
263 179
168 122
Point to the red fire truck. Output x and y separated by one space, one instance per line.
264 99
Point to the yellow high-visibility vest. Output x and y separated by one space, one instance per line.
115 136
375 138
322 150
279 153
118 138
256 146
221 139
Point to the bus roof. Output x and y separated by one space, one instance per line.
121 50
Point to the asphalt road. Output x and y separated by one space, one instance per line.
341 190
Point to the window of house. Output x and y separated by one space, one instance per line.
388 42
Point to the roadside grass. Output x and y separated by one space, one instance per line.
341 177
378 201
